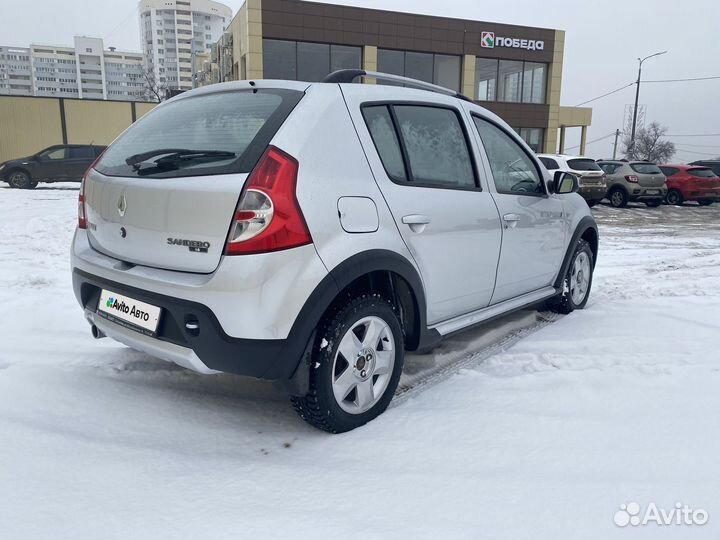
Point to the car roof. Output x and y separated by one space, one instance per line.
564 156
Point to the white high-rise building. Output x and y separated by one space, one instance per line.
86 71
173 31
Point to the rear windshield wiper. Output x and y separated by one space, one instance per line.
174 156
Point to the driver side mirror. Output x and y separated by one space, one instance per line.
564 183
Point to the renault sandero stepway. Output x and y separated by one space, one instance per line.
310 234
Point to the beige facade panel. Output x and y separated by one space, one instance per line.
95 122
27 125
575 116
141 109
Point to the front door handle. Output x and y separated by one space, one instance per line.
416 222
511 220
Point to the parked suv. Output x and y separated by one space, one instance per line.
590 175
689 183
59 163
637 181
312 233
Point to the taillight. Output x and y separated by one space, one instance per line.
268 216
632 178
82 213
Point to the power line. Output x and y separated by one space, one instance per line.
593 141
694 135
605 95
684 80
716 146
714 154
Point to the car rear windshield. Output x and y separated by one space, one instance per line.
218 133
583 165
645 168
702 173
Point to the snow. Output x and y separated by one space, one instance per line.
545 439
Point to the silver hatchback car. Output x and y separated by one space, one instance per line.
312 233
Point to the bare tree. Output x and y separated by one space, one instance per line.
649 145
154 90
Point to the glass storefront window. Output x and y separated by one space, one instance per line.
279 59
486 71
447 71
533 137
313 61
533 83
509 80
441 69
291 60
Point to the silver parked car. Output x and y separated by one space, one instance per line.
312 233
636 181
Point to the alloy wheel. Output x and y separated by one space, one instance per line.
580 278
363 365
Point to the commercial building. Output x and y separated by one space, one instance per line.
86 70
173 31
515 71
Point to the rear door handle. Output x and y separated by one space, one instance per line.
416 222
511 220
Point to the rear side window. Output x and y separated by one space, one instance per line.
550 164
609 168
218 133
423 145
583 165
80 152
669 171
702 173
380 124
436 147
645 168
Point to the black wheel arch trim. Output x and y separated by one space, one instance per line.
585 224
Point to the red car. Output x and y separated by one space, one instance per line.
691 183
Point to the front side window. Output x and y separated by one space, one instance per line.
420 144
54 153
513 170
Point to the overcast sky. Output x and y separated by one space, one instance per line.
602 44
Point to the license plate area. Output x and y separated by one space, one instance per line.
652 192
128 312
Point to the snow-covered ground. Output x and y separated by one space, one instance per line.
546 439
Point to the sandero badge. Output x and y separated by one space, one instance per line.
196 246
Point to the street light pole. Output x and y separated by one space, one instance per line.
637 98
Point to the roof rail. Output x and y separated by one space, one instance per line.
349 75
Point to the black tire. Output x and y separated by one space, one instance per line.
565 303
674 197
319 407
705 203
21 180
618 197
653 204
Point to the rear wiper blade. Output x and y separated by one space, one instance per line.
173 155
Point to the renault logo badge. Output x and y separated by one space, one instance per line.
122 205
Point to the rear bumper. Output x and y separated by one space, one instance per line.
646 194
593 193
206 350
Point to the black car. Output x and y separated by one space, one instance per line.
713 164
59 163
